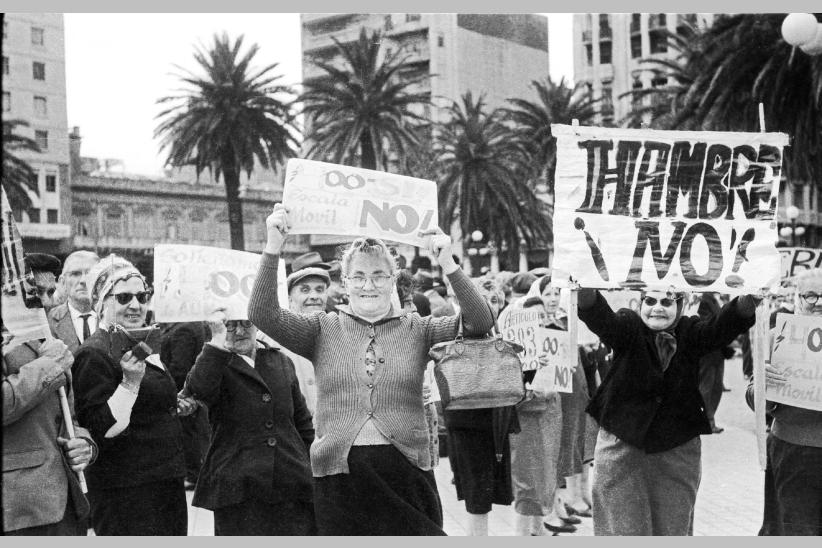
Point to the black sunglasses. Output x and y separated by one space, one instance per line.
810 297
125 298
666 302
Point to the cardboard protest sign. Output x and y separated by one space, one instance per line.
191 281
797 351
654 209
341 200
24 318
795 260
521 325
561 358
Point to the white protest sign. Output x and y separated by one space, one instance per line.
652 209
795 260
191 281
24 318
556 351
521 325
341 200
797 351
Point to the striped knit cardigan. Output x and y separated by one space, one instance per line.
347 397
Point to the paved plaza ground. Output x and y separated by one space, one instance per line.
730 495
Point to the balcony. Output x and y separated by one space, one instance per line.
44 231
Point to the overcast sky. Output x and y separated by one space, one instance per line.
117 65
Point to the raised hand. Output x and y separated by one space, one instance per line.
440 247
216 322
57 351
133 371
277 226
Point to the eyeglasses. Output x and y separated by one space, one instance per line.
231 325
810 297
125 298
666 302
380 281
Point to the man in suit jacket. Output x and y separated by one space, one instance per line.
74 320
41 494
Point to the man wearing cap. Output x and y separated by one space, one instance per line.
307 294
74 321
45 269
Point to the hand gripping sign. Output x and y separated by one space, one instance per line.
691 210
347 201
192 281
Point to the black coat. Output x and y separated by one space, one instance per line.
151 447
262 429
636 401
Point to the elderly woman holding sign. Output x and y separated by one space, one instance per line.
795 439
128 400
650 411
370 459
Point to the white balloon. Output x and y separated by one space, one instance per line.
814 46
799 28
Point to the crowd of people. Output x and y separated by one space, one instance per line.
321 415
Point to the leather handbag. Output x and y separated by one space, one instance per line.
478 373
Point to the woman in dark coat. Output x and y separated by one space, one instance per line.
256 477
130 407
650 411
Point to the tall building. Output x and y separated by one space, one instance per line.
34 90
608 48
497 55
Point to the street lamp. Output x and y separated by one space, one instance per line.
793 213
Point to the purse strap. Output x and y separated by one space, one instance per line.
494 329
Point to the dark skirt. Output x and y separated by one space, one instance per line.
157 508
384 494
258 518
480 480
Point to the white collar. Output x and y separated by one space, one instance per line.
75 314
248 360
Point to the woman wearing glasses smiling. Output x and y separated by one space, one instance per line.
649 409
130 407
370 458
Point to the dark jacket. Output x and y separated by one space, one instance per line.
636 401
181 344
150 449
262 429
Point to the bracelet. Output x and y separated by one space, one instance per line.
131 388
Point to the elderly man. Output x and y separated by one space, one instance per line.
74 321
45 269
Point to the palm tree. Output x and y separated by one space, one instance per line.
484 178
227 120
557 103
365 108
739 62
18 176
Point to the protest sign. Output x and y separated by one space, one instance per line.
342 200
559 357
24 318
192 281
521 325
797 351
659 209
796 260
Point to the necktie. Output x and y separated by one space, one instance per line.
86 330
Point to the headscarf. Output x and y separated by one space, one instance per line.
104 277
664 340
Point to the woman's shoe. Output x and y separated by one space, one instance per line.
582 513
564 528
573 520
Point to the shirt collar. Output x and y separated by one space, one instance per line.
392 313
75 314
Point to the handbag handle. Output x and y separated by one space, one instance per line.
494 331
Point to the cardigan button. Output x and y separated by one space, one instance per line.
271 442
370 413
382 360
269 424
369 385
266 398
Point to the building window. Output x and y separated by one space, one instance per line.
42 139
589 54
17 214
51 216
604 26
636 22
34 215
37 36
5 65
388 24
411 17
441 41
5 29
659 41
607 102
82 228
51 182
38 70
659 81
605 53
657 20
636 46
6 101
40 107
